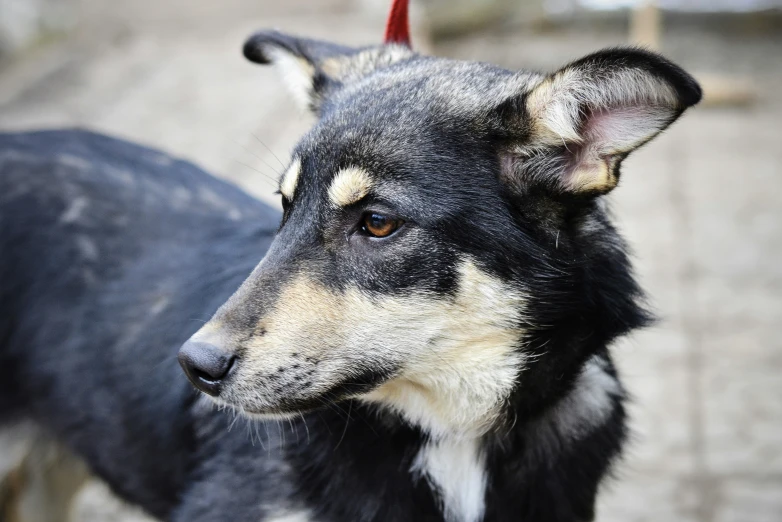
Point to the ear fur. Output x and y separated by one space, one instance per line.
311 68
579 123
298 61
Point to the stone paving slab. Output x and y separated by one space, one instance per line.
637 496
747 500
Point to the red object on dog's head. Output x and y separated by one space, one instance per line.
398 25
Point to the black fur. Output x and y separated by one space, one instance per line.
621 57
88 359
113 255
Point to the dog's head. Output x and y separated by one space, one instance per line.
442 226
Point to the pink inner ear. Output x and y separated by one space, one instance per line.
621 129
607 135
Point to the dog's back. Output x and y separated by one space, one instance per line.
97 294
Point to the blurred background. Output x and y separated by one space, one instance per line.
701 205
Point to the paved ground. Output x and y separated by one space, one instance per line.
702 207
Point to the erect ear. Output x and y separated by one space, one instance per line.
312 69
575 126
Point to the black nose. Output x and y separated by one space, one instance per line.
205 365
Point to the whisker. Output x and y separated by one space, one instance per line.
294 429
326 424
347 421
258 157
236 418
256 170
249 430
307 428
282 435
258 432
268 437
267 148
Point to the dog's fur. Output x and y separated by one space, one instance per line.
455 370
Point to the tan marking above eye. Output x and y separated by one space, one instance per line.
348 186
290 179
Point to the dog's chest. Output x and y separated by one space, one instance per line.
456 472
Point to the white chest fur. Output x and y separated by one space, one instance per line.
455 469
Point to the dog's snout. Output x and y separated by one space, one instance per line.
205 365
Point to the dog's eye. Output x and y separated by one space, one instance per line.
379 225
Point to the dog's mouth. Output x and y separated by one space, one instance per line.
279 397
283 382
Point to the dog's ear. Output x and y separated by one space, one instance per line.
573 128
312 69
299 61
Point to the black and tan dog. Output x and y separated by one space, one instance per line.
430 317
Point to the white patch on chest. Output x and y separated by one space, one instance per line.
456 471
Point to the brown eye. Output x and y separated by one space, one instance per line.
378 225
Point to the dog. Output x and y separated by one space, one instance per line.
422 335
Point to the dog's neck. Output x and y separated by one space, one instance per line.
454 462
466 474
461 401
